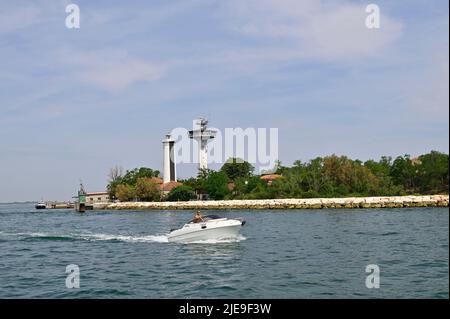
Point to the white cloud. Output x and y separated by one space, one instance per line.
111 70
314 29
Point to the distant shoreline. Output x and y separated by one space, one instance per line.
292 203
15 203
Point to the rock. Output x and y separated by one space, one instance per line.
291 203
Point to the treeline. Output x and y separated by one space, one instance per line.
338 176
330 176
137 184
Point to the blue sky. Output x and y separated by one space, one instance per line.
75 102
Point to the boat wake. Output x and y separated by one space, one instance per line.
105 237
126 238
87 237
220 241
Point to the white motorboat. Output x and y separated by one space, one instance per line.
211 227
41 205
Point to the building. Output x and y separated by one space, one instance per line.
165 188
269 178
97 197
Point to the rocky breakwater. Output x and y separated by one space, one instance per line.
292 203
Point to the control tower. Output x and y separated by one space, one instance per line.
202 135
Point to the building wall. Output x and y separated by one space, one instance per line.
97 198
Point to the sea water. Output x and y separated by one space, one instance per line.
279 254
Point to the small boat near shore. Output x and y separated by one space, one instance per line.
211 227
41 205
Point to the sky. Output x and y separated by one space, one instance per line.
75 102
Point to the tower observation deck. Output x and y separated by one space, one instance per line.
202 135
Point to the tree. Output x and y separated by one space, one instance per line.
181 193
279 168
330 176
125 193
382 170
216 185
115 178
312 176
115 173
132 176
433 172
404 173
245 186
237 168
147 190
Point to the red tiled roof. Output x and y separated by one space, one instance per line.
96 193
156 180
270 177
167 187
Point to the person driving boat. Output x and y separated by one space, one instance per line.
198 217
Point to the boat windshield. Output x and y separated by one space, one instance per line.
212 217
207 217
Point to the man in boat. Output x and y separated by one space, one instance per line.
198 217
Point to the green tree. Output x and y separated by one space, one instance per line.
250 185
216 185
117 177
181 193
132 176
433 172
403 172
237 168
312 177
204 173
147 190
125 193
112 188
381 170
330 176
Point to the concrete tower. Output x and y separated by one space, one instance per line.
169 169
202 135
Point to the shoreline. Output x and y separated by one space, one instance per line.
292 203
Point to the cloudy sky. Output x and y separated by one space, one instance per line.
75 102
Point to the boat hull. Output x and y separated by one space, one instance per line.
214 230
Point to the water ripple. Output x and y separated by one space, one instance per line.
287 254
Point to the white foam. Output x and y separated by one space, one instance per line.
91 237
220 241
25 234
124 238
133 239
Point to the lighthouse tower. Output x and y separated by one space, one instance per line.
202 135
169 168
